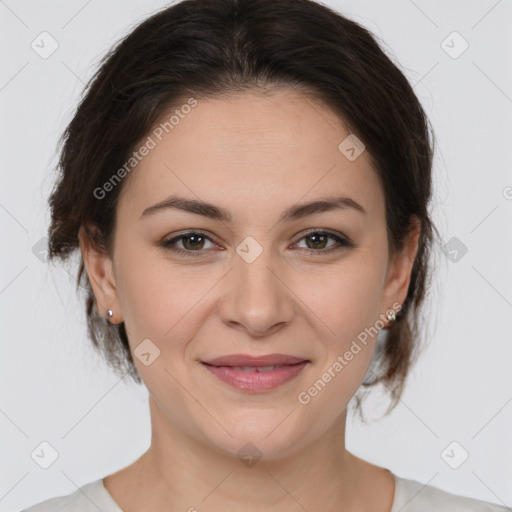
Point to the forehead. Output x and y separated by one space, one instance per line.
249 151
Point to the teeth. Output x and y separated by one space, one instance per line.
255 368
266 368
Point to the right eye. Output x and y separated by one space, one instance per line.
192 242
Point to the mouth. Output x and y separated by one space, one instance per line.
248 361
256 378
259 369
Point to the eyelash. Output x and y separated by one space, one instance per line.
342 243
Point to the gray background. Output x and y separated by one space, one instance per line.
55 388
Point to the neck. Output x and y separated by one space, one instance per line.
189 473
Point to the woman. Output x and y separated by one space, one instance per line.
248 182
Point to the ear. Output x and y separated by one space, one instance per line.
101 275
399 269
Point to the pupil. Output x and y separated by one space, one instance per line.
194 237
316 237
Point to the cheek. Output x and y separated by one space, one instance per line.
345 298
346 301
149 297
161 301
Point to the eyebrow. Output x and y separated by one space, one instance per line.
218 213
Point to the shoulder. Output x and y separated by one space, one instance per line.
413 496
89 498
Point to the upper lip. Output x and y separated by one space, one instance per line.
247 360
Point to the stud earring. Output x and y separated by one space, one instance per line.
390 315
110 314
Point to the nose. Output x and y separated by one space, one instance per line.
256 297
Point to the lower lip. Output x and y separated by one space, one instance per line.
255 381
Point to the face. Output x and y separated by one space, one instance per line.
199 286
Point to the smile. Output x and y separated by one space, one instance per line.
256 378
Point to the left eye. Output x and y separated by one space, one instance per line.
320 237
193 242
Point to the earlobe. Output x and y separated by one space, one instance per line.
100 272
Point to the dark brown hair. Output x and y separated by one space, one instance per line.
201 48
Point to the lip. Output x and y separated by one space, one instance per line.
256 381
248 360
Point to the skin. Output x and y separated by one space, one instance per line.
254 155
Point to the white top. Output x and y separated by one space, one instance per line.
410 496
